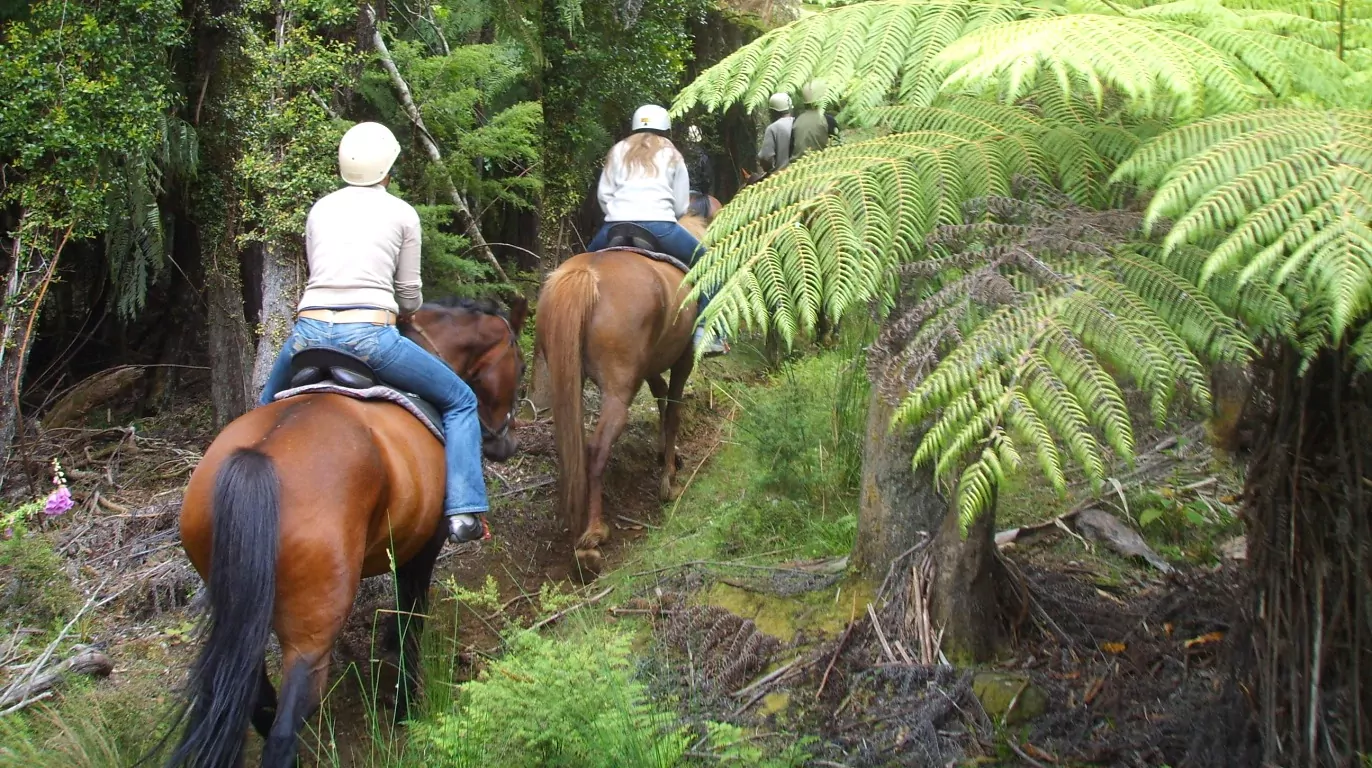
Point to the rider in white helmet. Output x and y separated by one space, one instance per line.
362 247
775 152
645 181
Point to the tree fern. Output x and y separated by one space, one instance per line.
869 53
1189 58
1281 197
1027 367
824 235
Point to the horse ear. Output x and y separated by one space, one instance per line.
519 311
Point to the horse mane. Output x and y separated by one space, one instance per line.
694 224
468 304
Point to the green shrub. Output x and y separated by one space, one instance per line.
551 704
36 591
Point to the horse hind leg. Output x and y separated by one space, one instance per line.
660 390
302 688
265 713
671 421
614 414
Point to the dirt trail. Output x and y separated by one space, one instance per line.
529 548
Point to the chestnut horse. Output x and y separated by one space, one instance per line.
617 318
295 503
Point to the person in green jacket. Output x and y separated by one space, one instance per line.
812 128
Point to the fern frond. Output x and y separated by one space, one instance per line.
1288 195
868 53
1042 370
1160 67
823 235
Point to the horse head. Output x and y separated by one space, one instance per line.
480 341
701 211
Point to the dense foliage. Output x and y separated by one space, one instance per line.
969 96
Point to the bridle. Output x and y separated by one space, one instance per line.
487 433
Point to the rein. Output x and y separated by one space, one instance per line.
486 432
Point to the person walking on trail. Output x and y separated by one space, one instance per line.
812 128
698 165
775 152
645 182
362 250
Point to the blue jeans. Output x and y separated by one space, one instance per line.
673 238
403 364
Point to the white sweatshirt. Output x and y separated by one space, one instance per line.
362 246
663 197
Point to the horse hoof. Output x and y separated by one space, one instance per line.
590 562
665 492
676 459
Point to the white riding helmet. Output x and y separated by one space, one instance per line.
366 154
780 102
693 134
651 117
814 92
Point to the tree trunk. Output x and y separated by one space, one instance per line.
897 504
1308 504
230 345
280 294
10 366
964 600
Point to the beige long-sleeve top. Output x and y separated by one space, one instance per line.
362 247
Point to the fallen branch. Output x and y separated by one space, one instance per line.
1026 758
881 636
766 684
52 647
464 214
87 661
523 488
93 391
578 606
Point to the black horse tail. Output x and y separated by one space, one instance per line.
224 680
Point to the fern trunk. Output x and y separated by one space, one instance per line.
898 506
964 600
1309 511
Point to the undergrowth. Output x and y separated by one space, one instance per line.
781 482
783 478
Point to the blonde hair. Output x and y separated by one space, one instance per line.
641 149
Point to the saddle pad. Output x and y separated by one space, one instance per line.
654 255
370 393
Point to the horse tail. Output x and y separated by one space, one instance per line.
565 305
225 678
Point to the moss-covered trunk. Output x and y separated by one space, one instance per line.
898 506
964 602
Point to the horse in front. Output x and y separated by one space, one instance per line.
294 503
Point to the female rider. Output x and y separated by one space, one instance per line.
645 182
362 247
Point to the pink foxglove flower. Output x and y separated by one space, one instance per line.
59 501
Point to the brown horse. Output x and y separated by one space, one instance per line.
295 503
617 318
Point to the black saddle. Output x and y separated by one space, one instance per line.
330 366
626 234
